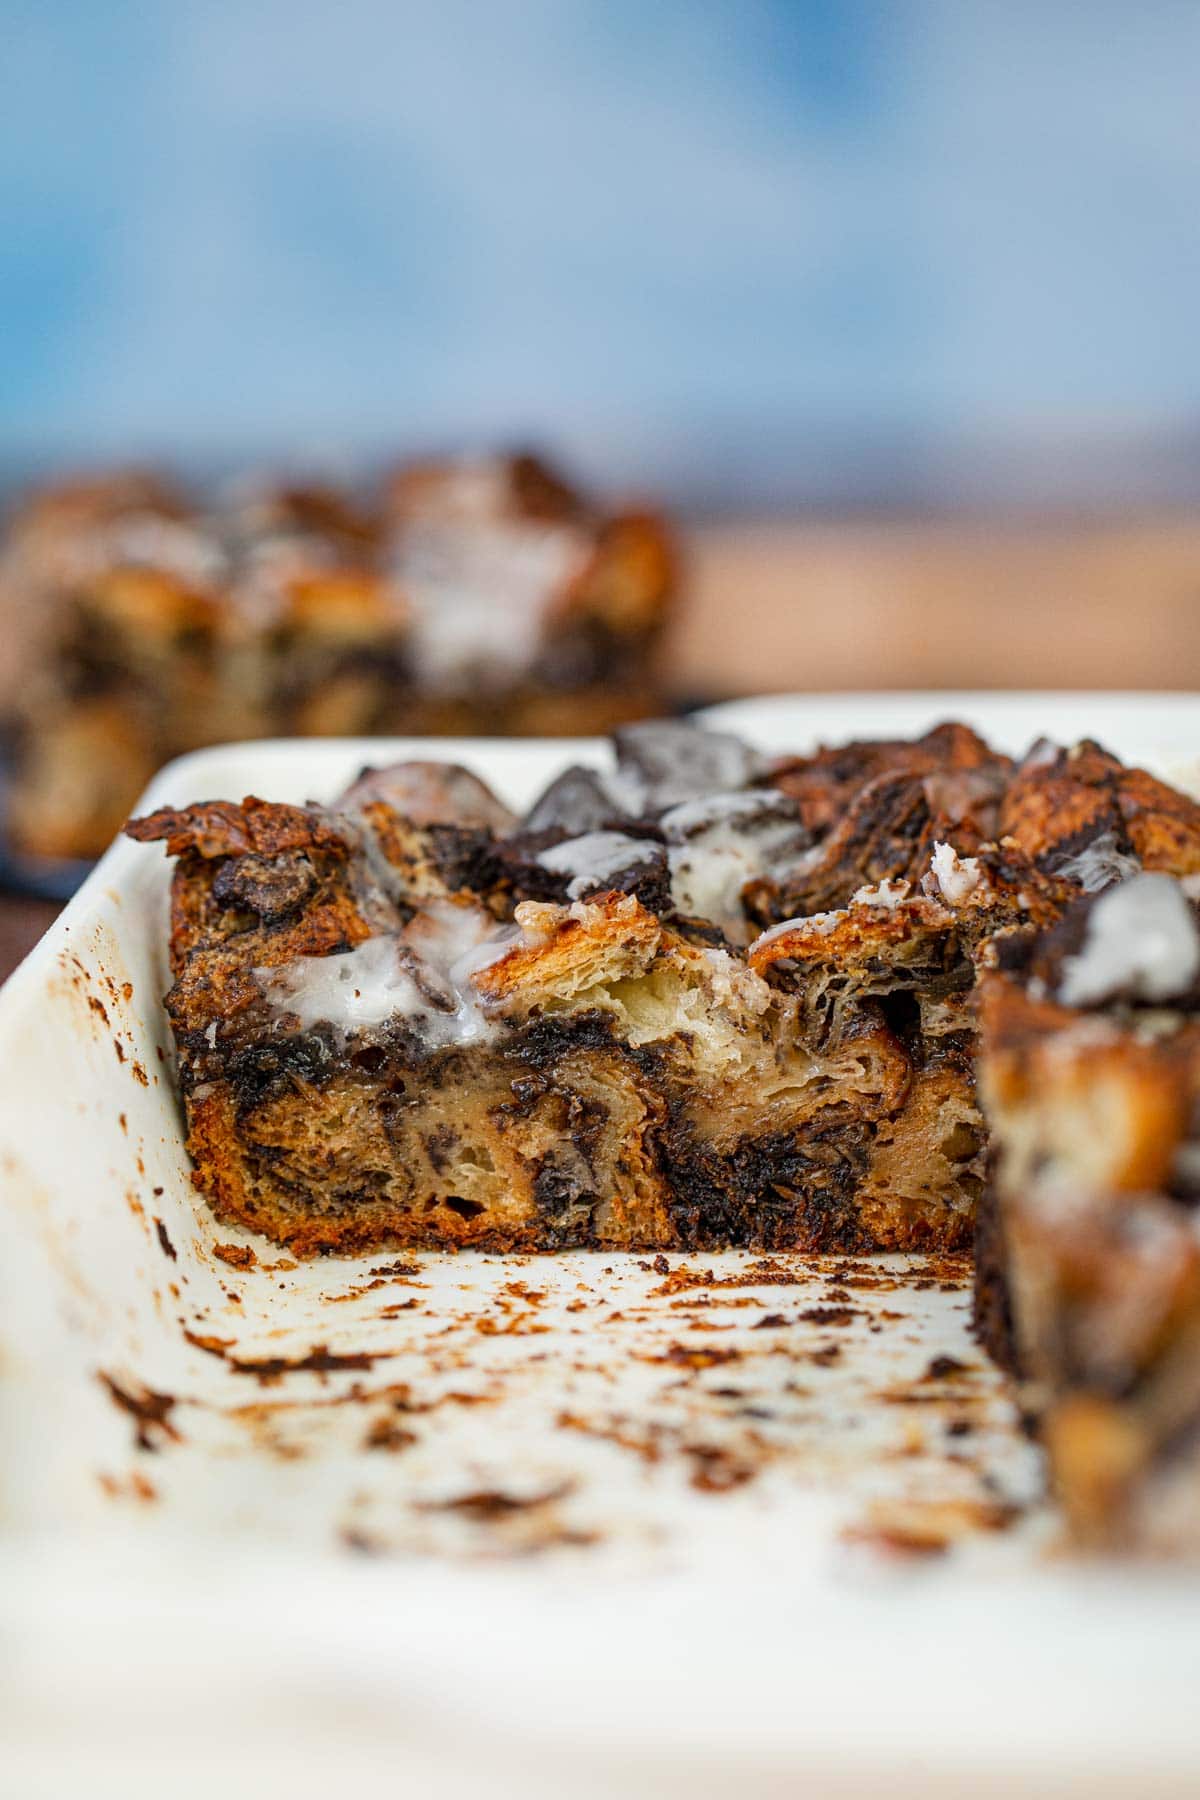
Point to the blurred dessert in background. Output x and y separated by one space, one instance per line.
463 596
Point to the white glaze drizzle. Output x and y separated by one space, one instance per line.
1142 942
596 857
421 977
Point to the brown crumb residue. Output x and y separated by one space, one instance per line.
718 1471
765 1272
522 1324
238 1256
352 1538
134 1486
213 1346
695 1356
320 1360
646 1445
164 1240
520 1291
929 1527
150 1411
387 1434
485 1505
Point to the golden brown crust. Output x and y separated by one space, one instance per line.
609 939
848 936
826 783
887 831
222 828
1074 796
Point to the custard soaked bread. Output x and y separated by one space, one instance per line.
707 999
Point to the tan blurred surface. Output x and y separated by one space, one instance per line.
904 604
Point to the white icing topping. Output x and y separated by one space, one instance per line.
735 987
455 940
718 845
821 922
481 592
596 857
887 894
366 986
1142 942
707 882
662 762
954 877
1191 886
540 922
692 816
420 977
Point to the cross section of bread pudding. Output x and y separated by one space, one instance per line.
708 999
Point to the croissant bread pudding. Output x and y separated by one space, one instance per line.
1088 1252
464 596
893 995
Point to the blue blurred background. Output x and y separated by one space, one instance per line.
757 252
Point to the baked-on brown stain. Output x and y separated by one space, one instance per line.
487 1504
238 1256
150 1411
320 1360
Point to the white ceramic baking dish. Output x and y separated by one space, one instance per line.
563 1524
